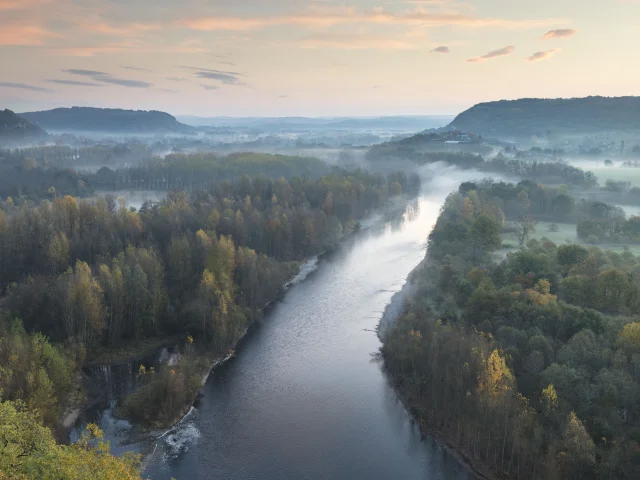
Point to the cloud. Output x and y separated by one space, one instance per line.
90 51
74 82
542 55
137 69
502 52
86 73
223 76
441 49
177 79
209 87
559 33
375 86
9 4
283 96
24 35
202 69
124 82
104 77
24 86
348 41
127 30
330 17
20 4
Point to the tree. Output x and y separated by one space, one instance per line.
549 399
29 451
58 253
496 379
563 206
570 255
207 295
615 291
486 234
525 226
629 338
579 447
82 305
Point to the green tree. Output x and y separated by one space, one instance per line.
485 234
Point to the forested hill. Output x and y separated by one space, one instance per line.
15 129
106 120
536 116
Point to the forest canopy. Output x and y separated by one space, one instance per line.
529 363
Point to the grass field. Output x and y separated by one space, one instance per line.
614 172
566 234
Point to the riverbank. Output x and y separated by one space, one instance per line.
306 268
396 305
171 427
464 457
391 313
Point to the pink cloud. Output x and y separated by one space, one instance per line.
502 52
559 33
536 57
325 18
24 35
120 31
357 42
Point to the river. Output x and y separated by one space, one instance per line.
305 398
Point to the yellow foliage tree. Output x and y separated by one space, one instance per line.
496 379
629 337
28 451
540 293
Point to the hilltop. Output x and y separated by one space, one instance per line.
107 120
15 129
544 117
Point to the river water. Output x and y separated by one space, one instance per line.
305 398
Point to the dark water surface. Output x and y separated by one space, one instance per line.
304 398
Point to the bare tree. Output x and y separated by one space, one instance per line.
525 226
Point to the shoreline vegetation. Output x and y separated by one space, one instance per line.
209 363
216 361
392 312
526 366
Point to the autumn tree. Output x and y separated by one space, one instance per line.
29 451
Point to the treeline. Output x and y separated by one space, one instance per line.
620 192
549 172
199 170
602 222
529 365
44 172
388 152
28 175
90 273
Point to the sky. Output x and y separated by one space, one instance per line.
320 58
